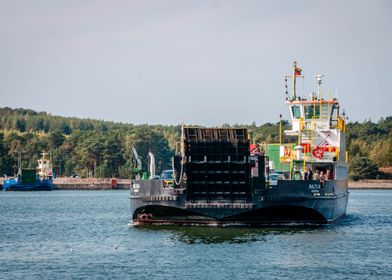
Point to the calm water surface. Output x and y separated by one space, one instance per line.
86 235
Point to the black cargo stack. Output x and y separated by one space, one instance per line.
217 163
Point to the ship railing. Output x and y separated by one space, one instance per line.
314 124
329 123
288 153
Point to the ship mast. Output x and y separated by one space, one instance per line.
20 161
296 74
295 81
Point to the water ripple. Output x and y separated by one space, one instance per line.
85 235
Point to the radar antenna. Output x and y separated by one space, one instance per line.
319 79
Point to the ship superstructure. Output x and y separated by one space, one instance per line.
319 130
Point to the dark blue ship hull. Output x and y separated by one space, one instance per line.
289 202
218 182
39 186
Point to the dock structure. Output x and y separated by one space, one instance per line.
67 183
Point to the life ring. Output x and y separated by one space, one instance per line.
287 151
318 152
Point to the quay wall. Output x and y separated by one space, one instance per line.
91 183
370 184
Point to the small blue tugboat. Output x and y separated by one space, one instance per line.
30 179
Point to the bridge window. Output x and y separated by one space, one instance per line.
334 114
296 111
312 111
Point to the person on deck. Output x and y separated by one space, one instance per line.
297 174
328 175
316 175
308 174
322 177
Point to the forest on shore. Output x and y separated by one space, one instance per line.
89 147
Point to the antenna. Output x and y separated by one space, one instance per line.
345 117
319 79
295 80
287 91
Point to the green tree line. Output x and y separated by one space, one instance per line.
104 149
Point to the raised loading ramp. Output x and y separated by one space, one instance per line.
217 163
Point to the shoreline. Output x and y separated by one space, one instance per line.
65 183
370 184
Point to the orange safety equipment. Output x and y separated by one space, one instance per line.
287 151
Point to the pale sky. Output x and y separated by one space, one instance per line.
192 62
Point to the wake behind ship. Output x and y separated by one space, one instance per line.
221 178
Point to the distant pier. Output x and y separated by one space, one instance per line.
66 183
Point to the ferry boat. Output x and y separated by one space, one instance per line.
30 179
221 178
